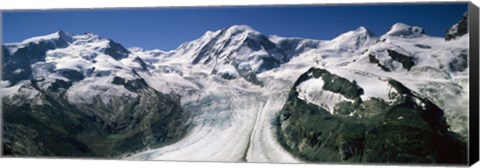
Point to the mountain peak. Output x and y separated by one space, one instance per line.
59 35
458 29
64 35
234 31
353 40
404 30
240 28
61 32
88 35
359 32
361 29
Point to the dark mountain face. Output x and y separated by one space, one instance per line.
373 59
5 57
5 53
460 63
40 120
116 50
459 29
50 125
143 65
406 61
17 67
407 129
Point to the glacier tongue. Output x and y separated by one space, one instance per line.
234 120
231 123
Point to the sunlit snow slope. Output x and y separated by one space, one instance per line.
348 55
233 83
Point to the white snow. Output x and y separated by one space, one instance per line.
352 41
311 91
372 85
48 37
86 91
404 30
227 69
233 118
8 91
230 127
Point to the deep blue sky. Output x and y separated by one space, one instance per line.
167 28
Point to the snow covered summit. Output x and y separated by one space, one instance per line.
221 97
404 30
354 40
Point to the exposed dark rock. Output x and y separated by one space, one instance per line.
64 37
141 63
408 129
268 63
226 76
208 51
423 46
117 51
100 73
460 63
132 85
16 66
216 49
459 29
58 128
30 143
6 55
332 83
70 74
59 84
406 61
374 60
252 77
257 42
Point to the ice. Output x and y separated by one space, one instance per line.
311 91
233 118
232 124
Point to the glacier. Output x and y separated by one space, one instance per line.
235 81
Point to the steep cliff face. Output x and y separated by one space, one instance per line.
458 29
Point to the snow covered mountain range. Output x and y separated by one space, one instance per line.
239 95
